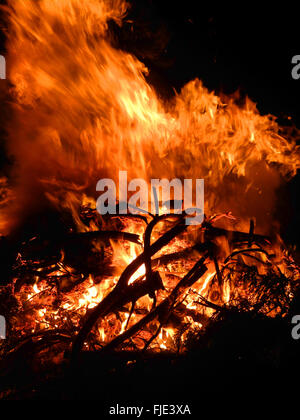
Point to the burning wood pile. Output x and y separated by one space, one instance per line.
67 291
82 109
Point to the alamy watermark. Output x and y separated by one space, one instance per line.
135 197
296 68
2 328
296 328
2 67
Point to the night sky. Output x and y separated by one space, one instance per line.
228 49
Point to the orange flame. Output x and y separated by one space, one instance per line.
83 110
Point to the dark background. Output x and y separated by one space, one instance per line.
235 48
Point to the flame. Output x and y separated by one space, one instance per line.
83 110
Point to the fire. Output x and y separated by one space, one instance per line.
83 110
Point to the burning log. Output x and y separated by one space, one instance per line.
162 311
114 297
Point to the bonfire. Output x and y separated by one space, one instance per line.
82 110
